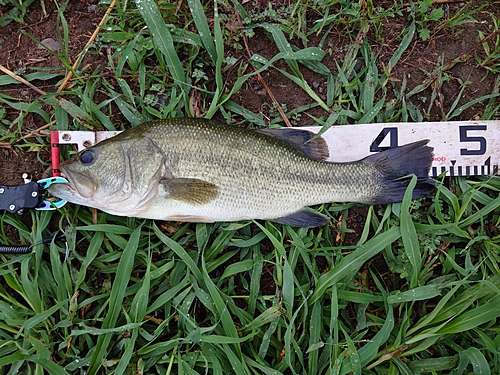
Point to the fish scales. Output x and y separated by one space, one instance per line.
265 170
199 170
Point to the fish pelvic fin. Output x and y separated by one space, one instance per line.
303 218
397 165
190 190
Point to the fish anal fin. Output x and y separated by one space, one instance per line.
190 190
303 218
302 140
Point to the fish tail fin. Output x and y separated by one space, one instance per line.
396 163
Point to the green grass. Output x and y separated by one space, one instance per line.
141 297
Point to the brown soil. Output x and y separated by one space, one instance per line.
21 54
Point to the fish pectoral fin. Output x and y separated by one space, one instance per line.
302 140
190 190
303 218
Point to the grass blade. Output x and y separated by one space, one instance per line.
120 283
409 234
200 20
163 40
352 262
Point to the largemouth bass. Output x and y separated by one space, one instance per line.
202 171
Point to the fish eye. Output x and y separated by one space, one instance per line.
87 157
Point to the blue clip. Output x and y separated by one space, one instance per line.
46 205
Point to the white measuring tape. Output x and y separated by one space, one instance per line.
461 148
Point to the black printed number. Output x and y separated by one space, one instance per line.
392 133
464 137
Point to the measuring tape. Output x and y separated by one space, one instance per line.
461 148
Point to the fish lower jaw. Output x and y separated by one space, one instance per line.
71 190
125 207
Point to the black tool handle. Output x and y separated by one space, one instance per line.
17 198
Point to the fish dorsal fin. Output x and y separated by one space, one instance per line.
302 140
190 190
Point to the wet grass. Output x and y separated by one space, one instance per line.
416 292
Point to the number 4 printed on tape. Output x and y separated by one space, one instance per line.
461 148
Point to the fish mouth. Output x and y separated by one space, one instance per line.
69 184
78 184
